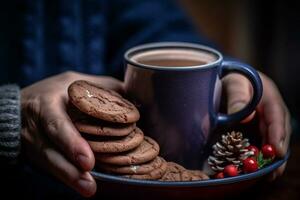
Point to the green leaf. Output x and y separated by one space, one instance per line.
268 161
260 160
263 162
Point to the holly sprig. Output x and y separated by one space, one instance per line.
261 161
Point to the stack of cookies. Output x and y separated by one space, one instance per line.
108 122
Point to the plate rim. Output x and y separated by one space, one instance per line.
202 183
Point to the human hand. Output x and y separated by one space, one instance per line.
274 124
49 138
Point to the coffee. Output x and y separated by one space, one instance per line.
174 58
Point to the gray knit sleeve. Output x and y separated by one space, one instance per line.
10 122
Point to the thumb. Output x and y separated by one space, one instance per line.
239 92
106 82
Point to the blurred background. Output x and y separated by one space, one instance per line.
265 35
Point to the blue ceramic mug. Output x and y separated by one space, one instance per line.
177 88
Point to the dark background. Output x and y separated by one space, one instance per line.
265 34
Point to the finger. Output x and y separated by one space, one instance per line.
262 125
264 135
104 81
280 170
62 132
239 93
275 121
288 130
276 117
110 83
40 152
277 173
66 172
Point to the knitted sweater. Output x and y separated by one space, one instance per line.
86 36
10 122
47 37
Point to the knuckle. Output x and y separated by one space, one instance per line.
53 125
30 109
51 102
31 102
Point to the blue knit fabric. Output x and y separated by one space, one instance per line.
92 36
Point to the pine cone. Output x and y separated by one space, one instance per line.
232 149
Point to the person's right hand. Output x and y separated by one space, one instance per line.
50 139
274 117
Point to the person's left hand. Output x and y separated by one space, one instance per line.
49 138
274 124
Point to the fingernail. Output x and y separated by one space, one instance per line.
236 107
85 184
83 160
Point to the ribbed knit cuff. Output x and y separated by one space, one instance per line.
10 123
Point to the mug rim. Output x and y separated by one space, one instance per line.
158 45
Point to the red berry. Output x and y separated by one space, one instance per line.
230 170
250 165
254 149
219 175
268 151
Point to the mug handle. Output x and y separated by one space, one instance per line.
251 74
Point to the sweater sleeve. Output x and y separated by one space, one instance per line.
10 123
